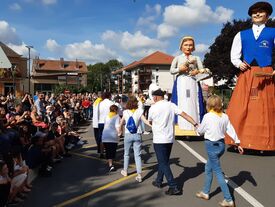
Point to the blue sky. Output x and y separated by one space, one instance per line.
100 30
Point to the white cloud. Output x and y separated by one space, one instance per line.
201 48
139 45
22 50
89 52
155 10
192 12
147 21
166 31
222 14
8 33
195 12
52 45
45 2
150 16
49 2
15 7
109 35
136 45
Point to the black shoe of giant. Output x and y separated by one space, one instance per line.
173 191
156 184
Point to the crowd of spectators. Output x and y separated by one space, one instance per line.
35 133
38 131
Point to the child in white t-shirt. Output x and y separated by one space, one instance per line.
133 139
214 126
110 135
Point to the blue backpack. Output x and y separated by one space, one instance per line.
131 125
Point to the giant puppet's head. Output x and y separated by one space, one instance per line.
187 45
259 12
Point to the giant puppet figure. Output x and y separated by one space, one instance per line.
252 106
187 93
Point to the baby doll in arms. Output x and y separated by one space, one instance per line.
194 71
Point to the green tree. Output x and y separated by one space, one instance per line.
100 76
113 65
72 88
218 58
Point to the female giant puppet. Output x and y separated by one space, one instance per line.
252 106
187 93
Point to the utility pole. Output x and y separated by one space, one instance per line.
101 79
13 79
29 73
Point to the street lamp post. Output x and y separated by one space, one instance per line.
29 74
13 79
101 79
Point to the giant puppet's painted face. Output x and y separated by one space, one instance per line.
259 17
187 47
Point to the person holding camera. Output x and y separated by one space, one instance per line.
27 102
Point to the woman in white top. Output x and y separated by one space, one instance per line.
187 93
110 135
103 110
133 139
214 126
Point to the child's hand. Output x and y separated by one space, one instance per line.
240 149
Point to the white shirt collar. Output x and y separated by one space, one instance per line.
255 26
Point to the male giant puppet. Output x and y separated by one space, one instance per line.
252 106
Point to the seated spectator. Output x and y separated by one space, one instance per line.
72 138
58 139
19 184
5 183
37 157
50 115
36 119
25 135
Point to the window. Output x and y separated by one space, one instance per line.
43 87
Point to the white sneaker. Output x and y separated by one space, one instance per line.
124 173
145 132
49 168
139 178
202 195
225 203
69 146
80 142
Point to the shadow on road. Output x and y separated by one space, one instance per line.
239 179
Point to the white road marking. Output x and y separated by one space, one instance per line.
249 198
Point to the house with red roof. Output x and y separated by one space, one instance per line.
13 78
140 74
46 74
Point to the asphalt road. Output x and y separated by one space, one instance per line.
83 180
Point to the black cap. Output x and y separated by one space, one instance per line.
158 92
261 5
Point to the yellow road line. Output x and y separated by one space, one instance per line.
75 199
84 147
88 146
95 158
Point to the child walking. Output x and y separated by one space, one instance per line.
214 126
110 135
133 138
